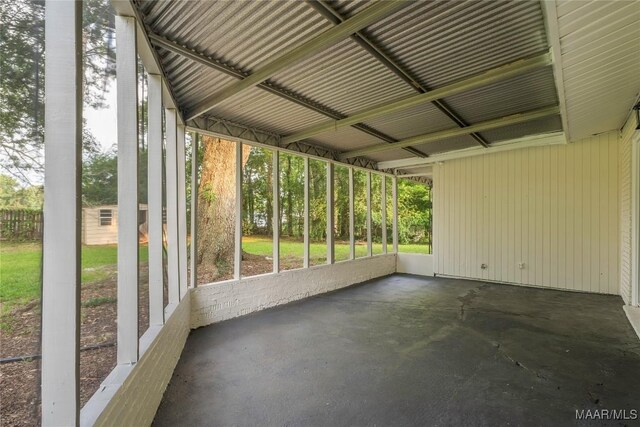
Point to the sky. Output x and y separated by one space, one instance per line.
102 122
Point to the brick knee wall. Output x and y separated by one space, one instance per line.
135 400
225 300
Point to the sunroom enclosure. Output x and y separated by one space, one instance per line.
166 148
511 99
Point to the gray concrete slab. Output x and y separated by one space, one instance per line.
407 350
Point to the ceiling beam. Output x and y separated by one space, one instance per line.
491 76
267 86
550 14
336 18
449 133
540 140
414 175
370 15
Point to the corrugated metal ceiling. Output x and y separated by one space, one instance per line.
600 55
435 42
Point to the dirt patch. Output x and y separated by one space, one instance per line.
252 265
20 381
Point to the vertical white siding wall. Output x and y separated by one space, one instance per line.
625 209
555 209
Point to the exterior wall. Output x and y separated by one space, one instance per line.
225 300
554 208
420 264
95 234
130 395
625 208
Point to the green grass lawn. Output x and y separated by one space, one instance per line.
263 246
20 269
20 262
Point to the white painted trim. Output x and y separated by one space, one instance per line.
275 222
306 243
237 252
62 215
383 202
182 211
193 282
394 189
127 102
369 239
154 200
147 54
173 261
550 13
539 140
352 231
330 208
414 175
635 219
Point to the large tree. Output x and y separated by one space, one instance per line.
22 56
216 205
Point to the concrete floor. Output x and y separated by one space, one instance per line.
407 350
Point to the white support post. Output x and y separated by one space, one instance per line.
369 242
182 211
154 200
195 139
352 225
127 102
237 254
394 190
173 260
62 215
383 179
306 213
635 220
275 223
331 258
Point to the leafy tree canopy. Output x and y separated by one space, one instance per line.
22 56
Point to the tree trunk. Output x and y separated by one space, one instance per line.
216 205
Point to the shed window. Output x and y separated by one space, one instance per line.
106 216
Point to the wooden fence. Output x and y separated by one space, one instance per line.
20 224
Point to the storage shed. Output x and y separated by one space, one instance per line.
100 224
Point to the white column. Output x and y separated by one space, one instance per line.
154 200
62 215
194 210
237 255
173 260
383 179
127 102
352 225
369 242
182 211
331 258
306 213
394 195
635 221
275 223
